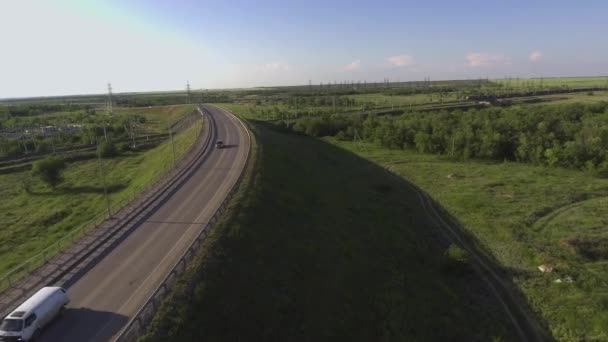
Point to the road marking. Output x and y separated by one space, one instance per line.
221 190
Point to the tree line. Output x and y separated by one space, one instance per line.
568 135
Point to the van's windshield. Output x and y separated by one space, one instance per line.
11 325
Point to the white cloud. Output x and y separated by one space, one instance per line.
536 56
480 59
276 66
401 60
354 65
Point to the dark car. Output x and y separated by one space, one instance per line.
219 144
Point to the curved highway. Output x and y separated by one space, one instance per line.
111 292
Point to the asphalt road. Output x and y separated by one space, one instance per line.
111 292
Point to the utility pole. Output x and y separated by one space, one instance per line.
172 142
188 92
132 129
334 103
24 143
105 188
109 110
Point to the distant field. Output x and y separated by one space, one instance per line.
81 127
382 100
527 216
572 82
158 118
595 96
32 221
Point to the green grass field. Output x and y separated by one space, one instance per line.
327 246
572 82
382 100
158 118
569 98
35 220
526 216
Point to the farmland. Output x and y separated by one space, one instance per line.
569 82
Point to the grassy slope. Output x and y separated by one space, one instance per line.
327 246
29 219
525 215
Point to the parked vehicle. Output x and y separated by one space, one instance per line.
219 144
26 322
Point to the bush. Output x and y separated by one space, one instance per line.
591 248
49 170
107 150
44 147
457 254
456 260
341 136
123 147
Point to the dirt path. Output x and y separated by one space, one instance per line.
525 323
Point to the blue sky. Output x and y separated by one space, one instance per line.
69 46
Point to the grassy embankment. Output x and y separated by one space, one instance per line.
527 216
36 219
325 245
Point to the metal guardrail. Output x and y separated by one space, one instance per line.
19 272
136 326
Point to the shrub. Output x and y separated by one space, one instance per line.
591 248
341 136
456 260
457 254
107 150
123 147
49 170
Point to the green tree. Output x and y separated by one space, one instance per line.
107 150
49 170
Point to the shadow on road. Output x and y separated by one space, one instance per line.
80 324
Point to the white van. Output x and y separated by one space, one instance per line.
26 322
